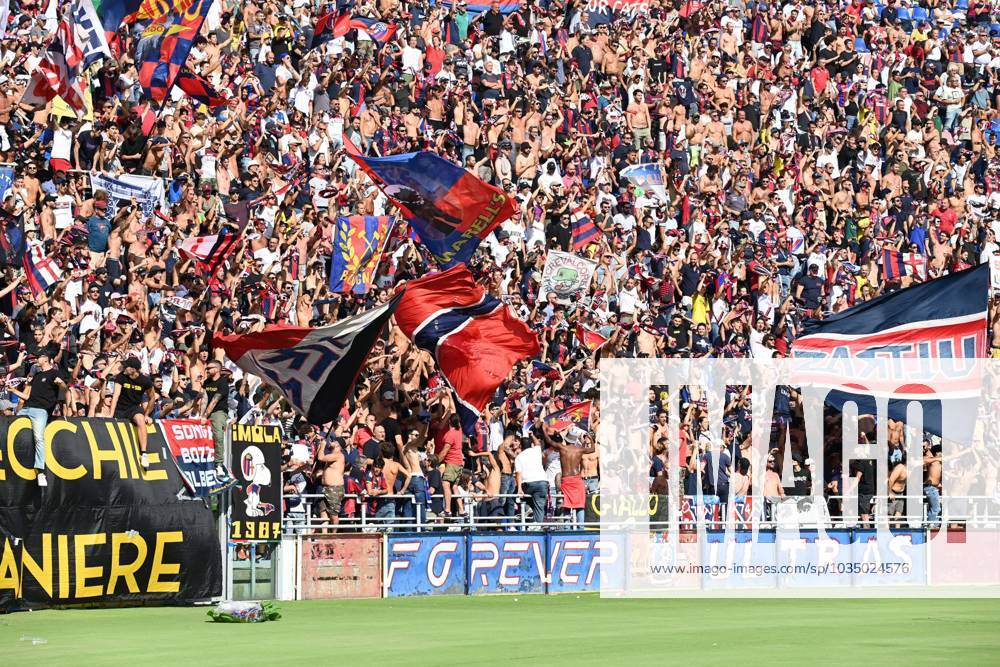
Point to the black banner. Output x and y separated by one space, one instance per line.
256 463
657 509
103 529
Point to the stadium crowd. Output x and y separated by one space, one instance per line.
798 140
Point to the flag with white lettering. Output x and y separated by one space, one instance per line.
314 369
193 449
90 37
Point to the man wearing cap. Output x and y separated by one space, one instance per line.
39 401
133 401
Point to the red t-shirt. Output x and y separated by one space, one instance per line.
452 436
434 57
946 219
362 436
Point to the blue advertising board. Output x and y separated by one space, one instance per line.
507 563
425 565
586 561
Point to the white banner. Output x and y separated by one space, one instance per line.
995 273
565 274
148 191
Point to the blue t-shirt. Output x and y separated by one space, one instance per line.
98 231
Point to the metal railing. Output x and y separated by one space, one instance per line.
303 517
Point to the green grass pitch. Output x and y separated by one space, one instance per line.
529 629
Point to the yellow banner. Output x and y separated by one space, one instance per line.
62 110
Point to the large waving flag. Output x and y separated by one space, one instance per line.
474 338
358 242
166 44
225 243
40 271
314 369
379 31
89 32
577 414
543 371
58 72
451 210
941 319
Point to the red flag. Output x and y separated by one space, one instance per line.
474 337
589 339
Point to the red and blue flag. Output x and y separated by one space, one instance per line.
170 39
590 339
358 242
943 318
940 319
577 414
41 272
330 26
314 369
584 230
225 243
474 337
540 370
451 210
199 90
897 264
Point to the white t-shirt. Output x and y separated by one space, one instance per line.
62 144
92 314
529 464
267 257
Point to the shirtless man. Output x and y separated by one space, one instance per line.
589 470
571 452
932 482
490 476
409 456
391 470
897 488
333 483
638 118
774 493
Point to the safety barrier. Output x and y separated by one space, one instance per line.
797 510
563 561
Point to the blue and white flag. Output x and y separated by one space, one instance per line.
148 191
90 37
6 180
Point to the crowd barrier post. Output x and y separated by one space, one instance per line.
225 509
